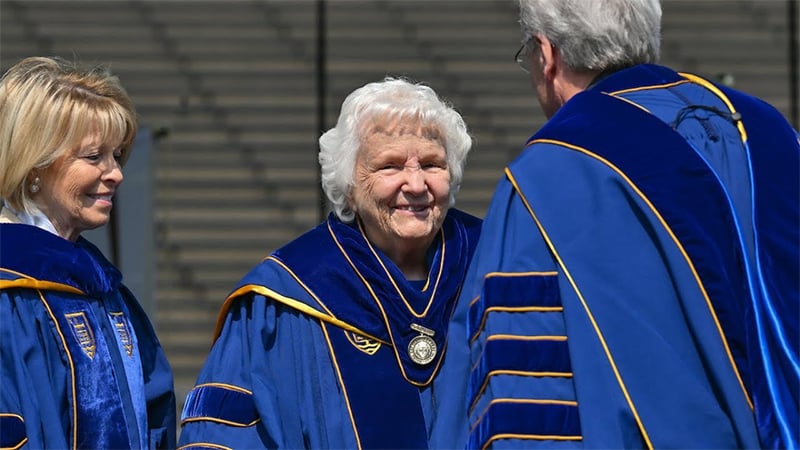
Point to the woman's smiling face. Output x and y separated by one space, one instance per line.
77 189
401 188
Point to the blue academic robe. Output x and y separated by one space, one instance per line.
313 346
636 281
81 365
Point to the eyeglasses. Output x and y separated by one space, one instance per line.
522 58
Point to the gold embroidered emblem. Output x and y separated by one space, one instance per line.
362 343
123 331
83 332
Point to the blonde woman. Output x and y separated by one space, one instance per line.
81 365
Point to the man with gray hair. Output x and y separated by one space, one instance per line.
636 280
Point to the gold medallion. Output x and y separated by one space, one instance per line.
422 349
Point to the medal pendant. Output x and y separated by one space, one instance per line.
422 349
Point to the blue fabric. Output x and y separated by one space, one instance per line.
766 219
690 205
514 357
655 239
314 334
525 356
68 317
80 265
776 219
499 291
525 421
230 406
127 340
12 431
100 413
379 298
375 377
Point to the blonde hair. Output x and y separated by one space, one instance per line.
48 105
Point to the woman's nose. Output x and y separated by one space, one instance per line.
414 179
113 171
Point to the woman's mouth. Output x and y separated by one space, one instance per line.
103 198
412 208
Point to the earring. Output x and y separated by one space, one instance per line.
35 185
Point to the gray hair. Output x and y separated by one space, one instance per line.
388 100
596 35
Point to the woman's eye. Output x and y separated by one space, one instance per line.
118 156
434 166
93 157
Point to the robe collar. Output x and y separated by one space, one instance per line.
31 252
357 284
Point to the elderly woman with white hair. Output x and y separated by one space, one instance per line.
335 340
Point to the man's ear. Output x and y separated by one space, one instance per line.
550 57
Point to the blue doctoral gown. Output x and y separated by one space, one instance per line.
81 365
636 281
315 342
